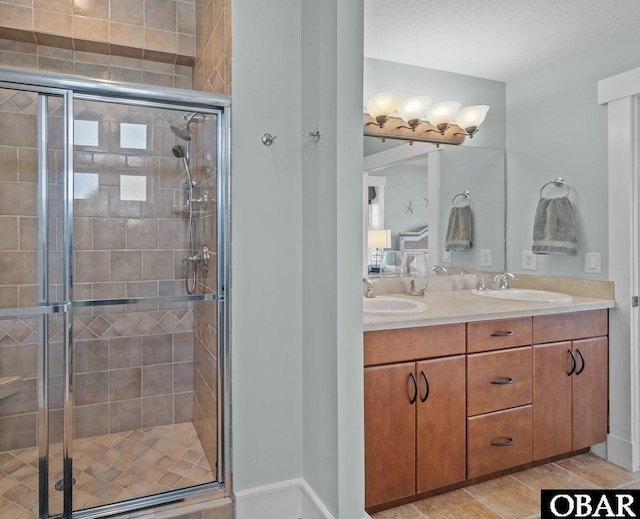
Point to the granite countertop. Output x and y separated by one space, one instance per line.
460 306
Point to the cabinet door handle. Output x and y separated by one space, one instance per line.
502 334
507 443
503 381
573 362
412 400
583 362
423 399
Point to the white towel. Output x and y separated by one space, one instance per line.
459 230
554 229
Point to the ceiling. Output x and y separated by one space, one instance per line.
492 39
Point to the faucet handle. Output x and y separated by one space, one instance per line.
480 286
504 280
370 292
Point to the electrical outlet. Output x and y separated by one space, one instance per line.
485 258
446 256
593 262
529 260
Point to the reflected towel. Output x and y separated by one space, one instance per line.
554 229
459 230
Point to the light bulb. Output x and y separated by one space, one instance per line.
471 117
441 114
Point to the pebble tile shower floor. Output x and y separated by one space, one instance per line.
109 468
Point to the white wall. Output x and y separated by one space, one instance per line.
296 221
556 128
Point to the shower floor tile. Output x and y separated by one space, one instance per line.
108 469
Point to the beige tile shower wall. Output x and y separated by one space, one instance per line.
99 66
212 71
157 30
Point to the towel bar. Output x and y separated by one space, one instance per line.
558 182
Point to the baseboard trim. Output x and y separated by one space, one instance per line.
620 452
292 499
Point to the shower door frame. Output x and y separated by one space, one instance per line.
69 88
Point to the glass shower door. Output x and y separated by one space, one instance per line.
32 339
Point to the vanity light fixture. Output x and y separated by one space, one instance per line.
441 115
471 117
388 116
413 110
381 106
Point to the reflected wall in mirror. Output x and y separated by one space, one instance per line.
409 189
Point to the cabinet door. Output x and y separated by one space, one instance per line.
441 423
389 432
551 399
589 392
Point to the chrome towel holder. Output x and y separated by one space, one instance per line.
558 182
464 194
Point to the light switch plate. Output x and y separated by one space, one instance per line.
485 258
529 260
446 256
593 262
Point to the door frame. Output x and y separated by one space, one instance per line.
620 93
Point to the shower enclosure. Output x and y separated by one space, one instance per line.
113 276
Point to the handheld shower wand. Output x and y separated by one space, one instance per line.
179 153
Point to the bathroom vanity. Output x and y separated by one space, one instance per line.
474 389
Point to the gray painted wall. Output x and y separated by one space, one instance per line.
555 127
297 401
266 207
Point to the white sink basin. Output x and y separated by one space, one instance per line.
391 305
525 294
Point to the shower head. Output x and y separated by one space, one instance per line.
180 132
178 151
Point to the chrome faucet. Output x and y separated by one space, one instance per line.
370 292
438 269
481 287
501 281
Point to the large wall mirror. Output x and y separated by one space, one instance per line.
411 190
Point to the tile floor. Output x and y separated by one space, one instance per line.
517 496
109 468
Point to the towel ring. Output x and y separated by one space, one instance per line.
464 194
558 182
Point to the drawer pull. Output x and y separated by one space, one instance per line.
503 381
412 400
583 362
507 443
502 334
573 362
423 399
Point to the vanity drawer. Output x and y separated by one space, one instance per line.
498 380
566 327
496 335
406 344
498 441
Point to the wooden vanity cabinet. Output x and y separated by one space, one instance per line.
570 382
499 373
414 412
445 404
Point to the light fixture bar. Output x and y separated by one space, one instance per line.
394 129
